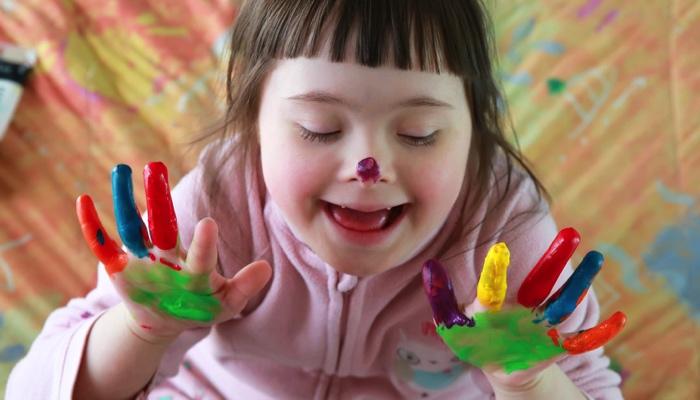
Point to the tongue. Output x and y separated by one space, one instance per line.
359 221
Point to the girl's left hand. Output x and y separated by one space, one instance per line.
513 344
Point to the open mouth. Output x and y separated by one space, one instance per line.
361 221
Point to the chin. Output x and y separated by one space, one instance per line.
359 267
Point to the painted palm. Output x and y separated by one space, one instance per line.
522 336
163 294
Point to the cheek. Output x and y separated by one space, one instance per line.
440 179
291 177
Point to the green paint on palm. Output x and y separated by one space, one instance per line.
507 338
176 293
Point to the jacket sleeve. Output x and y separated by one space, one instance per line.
50 368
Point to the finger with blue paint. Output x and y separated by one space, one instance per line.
564 301
129 224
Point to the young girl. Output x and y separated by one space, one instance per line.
363 138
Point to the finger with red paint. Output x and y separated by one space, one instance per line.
105 249
163 293
541 279
162 221
590 339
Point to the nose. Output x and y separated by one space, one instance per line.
368 169
368 159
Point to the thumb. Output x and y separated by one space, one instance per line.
247 283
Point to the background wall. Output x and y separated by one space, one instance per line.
603 94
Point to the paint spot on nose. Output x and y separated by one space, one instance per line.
368 169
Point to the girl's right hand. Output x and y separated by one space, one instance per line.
164 294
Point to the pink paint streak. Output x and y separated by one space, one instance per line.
609 18
588 8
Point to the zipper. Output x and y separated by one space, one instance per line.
342 331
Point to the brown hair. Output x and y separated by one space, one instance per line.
455 35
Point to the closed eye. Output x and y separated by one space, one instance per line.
421 140
321 137
325 137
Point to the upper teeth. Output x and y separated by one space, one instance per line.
342 206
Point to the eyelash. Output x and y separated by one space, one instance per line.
327 137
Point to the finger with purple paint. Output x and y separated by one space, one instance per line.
438 288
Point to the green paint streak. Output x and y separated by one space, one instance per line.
176 293
615 366
555 85
507 338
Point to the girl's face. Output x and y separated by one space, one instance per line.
318 119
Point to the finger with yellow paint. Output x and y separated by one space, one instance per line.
491 290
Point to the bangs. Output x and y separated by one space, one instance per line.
407 34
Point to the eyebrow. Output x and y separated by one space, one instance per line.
318 96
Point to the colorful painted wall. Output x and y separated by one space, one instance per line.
603 95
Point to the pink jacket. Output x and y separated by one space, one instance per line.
318 333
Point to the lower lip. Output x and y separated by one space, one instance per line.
365 238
